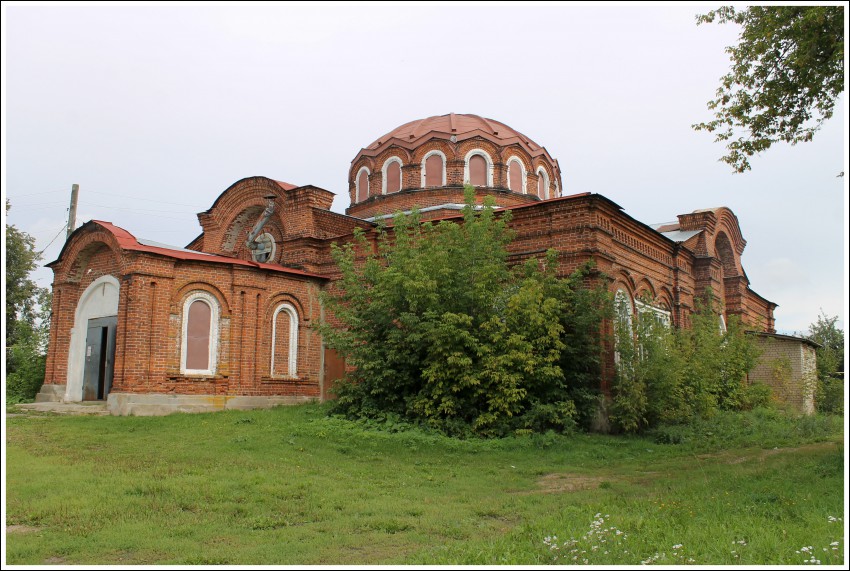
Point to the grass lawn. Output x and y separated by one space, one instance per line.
292 486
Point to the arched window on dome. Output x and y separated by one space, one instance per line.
516 175
391 175
434 169
478 170
542 183
362 184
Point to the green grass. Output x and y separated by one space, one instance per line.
292 486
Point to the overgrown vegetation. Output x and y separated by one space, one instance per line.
443 332
293 486
27 318
670 376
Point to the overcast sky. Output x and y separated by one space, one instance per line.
155 109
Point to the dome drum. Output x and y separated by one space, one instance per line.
431 159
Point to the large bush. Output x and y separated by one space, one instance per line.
441 331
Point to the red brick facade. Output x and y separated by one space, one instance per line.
670 265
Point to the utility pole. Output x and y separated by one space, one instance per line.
72 211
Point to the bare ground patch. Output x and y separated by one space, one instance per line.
21 529
732 458
560 483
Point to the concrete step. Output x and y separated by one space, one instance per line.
87 407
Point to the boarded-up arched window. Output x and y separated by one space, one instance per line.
392 178
515 176
200 334
477 170
434 171
362 185
284 341
542 184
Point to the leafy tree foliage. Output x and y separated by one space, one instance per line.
27 317
830 357
441 331
670 376
787 71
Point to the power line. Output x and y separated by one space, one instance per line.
39 204
106 194
137 209
64 227
138 198
45 192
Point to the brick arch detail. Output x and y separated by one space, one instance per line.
725 253
448 149
727 222
623 280
515 151
665 297
645 285
75 255
183 292
240 196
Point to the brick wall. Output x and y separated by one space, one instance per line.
789 367
153 288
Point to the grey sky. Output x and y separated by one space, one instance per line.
155 109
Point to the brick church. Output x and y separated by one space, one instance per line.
226 321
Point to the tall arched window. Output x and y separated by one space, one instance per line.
392 175
199 345
284 341
434 169
542 183
516 175
623 320
478 170
362 184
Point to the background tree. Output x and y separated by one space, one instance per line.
787 71
27 317
830 390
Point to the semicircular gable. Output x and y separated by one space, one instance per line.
87 240
245 188
727 222
724 251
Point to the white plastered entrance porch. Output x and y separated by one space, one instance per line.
100 299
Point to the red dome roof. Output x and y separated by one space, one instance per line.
459 126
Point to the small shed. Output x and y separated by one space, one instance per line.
788 365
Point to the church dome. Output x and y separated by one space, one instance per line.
453 125
425 163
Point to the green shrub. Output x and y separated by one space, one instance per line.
756 395
829 397
669 376
443 333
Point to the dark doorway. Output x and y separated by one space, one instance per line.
334 369
100 358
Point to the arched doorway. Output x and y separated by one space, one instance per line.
91 354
